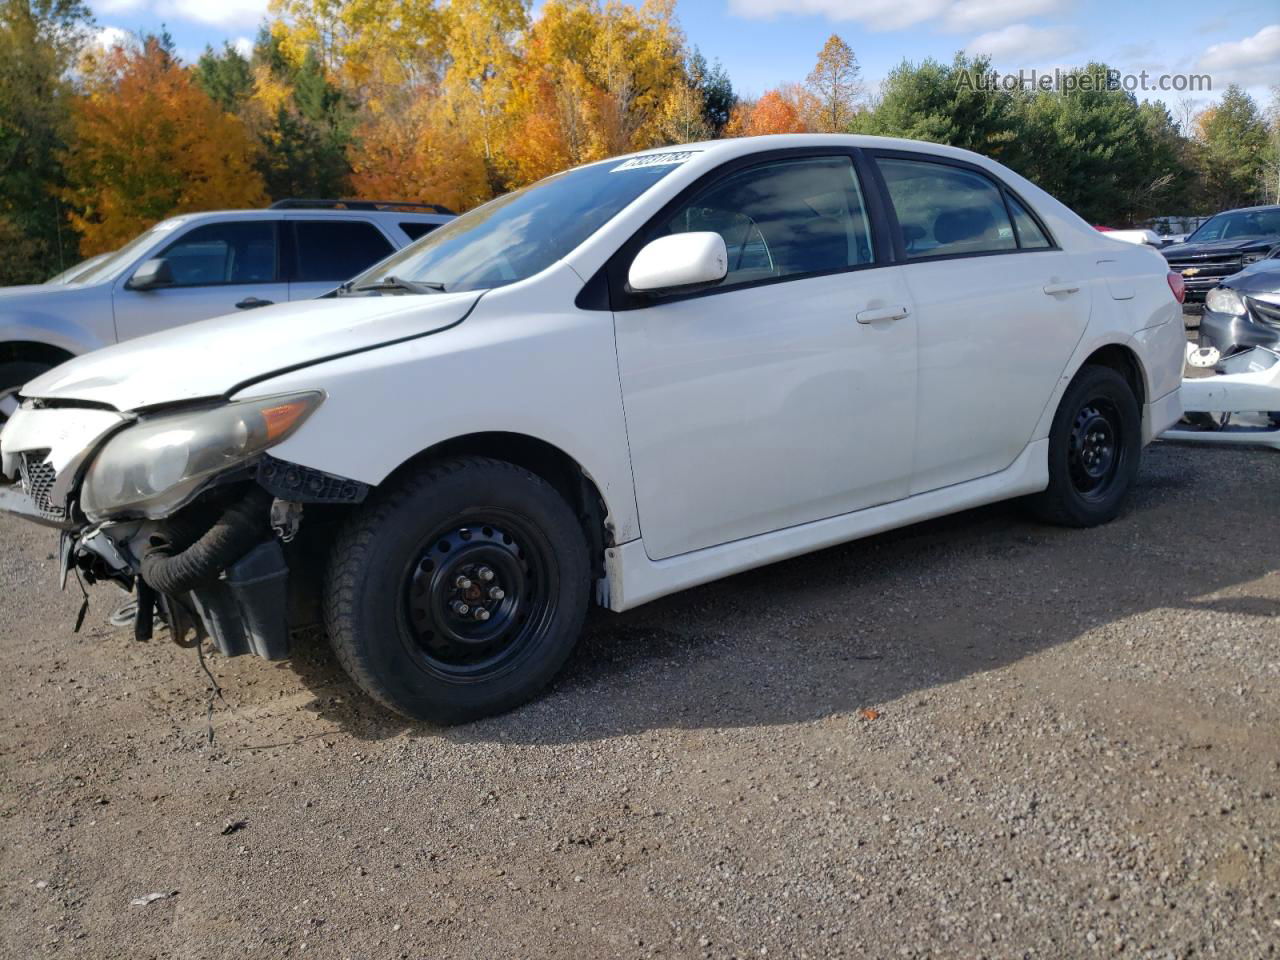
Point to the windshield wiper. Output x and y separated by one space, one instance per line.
396 283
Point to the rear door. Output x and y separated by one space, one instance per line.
323 253
1000 309
217 268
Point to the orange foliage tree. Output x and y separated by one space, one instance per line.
773 113
148 144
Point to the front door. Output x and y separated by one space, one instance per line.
999 310
217 268
785 394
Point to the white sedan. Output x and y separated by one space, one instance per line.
630 378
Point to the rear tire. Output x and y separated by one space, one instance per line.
1095 446
459 592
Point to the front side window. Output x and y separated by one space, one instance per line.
219 253
789 218
336 250
944 210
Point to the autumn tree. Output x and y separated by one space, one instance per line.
772 113
40 41
836 83
149 143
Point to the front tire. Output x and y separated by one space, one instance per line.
459 592
1095 446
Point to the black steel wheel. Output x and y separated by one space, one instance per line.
479 594
459 590
1095 444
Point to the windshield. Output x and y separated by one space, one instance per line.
111 263
1233 226
520 234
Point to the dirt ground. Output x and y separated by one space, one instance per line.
977 737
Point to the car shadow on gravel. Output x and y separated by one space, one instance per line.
867 623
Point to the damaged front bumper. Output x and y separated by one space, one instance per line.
224 566
1239 404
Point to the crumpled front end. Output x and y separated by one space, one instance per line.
221 561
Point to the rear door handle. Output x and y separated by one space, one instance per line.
1055 288
248 303
882 313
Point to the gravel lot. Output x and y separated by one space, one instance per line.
1071 748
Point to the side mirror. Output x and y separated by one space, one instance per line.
151 274
678 261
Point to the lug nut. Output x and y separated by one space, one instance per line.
462 583
482 614
496 593
485 574
460 608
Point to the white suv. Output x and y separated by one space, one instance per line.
197 266
628 379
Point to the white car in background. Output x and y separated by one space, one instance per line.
625 380
193 267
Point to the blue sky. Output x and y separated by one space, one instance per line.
763 43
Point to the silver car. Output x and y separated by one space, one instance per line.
197 266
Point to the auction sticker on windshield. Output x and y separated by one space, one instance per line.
655 160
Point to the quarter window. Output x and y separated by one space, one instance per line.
217 253
783 219
1030 236
336 250
944 210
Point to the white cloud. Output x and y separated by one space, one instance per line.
982 14
896 14
109 37
1024 43
243 46
218 13
1251 62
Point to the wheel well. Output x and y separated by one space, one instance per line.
33 352
1124 362
546 461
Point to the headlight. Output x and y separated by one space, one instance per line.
1224 300
153 468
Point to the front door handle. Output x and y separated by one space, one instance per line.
882 313
248 303
1052 289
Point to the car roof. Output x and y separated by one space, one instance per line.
1261 206
311 213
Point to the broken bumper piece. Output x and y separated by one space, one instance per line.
1240 404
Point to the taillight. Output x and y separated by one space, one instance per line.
1177 286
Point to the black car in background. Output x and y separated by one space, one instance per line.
1223 245
1243 311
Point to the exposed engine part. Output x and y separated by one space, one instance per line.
241 527
286 518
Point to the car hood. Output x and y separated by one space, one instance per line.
1182 251
1260 278
215 357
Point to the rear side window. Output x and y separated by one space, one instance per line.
218 253
945 211
336 250
413 229
785 219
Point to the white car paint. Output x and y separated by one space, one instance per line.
723 432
